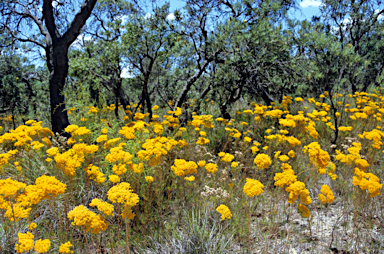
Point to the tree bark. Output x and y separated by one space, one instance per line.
57 59
57 76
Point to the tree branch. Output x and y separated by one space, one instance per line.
78 22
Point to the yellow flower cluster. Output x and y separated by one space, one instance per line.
42 246
114 178
158 128
287 123
253 187
23 135
11 191
319 158
233 132
224 211
4 158
69 161
303 210
263 161
127 132
149 179
190 178
298 189
202 141
65 247
286 178
111 143
102 206
367 181
37 145
182 167
85 149
140 116
118 154
211 168
155 148
283 158
32 226
10 188
292 154
102 138
77 131
275 113
172 120
119 169
45 187
327 195
201 164
354 154
122 194
375 135
94 173
281 138
25 242
226 157
83 217
345 128
93 110
204 120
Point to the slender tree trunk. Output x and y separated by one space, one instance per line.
58 73
264 95
146 99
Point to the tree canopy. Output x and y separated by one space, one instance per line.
121 52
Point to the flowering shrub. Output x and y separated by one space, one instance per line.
149 170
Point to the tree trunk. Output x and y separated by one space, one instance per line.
264 95
57 76
57 58
145 97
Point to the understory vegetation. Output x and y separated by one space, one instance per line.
301 176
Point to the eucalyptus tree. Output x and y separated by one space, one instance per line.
97 64
358 25
195 26
51 26
16 91
147 49
106 52
258 57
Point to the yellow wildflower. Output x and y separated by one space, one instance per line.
253 187
64 248
304 211
224 211
114 178
263 161
182 167
42 246
122 193
201 164
211 168
149 179
81 216
190 178
32 226
327 195
102 206
25 242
